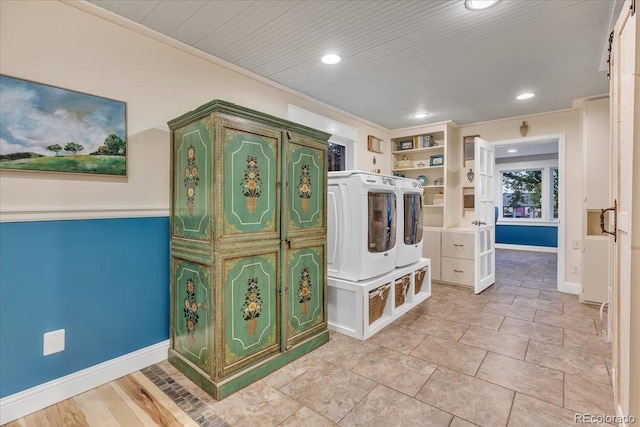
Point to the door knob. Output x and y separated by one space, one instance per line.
479 223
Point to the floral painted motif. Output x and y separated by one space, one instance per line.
304 291
304 187
251 183
252 307
190 311
191 178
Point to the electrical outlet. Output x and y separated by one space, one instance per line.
576 244
53 342
575 268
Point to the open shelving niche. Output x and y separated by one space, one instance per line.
435 213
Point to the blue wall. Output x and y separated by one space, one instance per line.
528 235
106 282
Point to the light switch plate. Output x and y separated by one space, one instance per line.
53 342
575 268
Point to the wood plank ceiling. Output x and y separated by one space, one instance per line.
399 57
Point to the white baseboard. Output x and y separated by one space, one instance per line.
570 288
527 248
31 400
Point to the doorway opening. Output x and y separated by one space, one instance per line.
530 198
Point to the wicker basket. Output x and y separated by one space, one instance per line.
401 288
419 278
377 300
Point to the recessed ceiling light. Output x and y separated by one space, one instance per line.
419 115
513 150
527 95
479 4
331 58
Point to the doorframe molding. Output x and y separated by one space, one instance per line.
562 166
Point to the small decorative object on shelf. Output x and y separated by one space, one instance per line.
438 199
400 175
436 160
422 179
429 140
423 141
438 181
405 163
405 145
421 164
470 175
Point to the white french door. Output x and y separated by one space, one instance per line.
485 256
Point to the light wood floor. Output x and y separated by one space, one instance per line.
131 401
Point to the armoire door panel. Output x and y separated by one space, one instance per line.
250 184
192 158
193 307
305 300
249 308
305 188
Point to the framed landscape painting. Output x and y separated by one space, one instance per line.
46 128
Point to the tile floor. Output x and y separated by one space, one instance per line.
519 354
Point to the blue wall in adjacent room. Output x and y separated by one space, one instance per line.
106 282
527 235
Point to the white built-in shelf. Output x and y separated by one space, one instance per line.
433 186
417 169
432 206
419 150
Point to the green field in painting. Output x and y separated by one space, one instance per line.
99 165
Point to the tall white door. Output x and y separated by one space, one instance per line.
625 125
485 256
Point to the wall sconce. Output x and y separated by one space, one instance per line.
524 129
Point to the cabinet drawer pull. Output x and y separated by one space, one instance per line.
458 271
457 245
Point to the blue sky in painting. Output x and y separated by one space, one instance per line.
34 116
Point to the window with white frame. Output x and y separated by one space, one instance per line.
528 191
336 156
522 194
341 149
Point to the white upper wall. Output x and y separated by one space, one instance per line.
61 45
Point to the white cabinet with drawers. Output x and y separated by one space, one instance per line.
457 262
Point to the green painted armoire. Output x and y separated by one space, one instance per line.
248 244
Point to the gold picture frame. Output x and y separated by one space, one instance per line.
468 148
374 144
